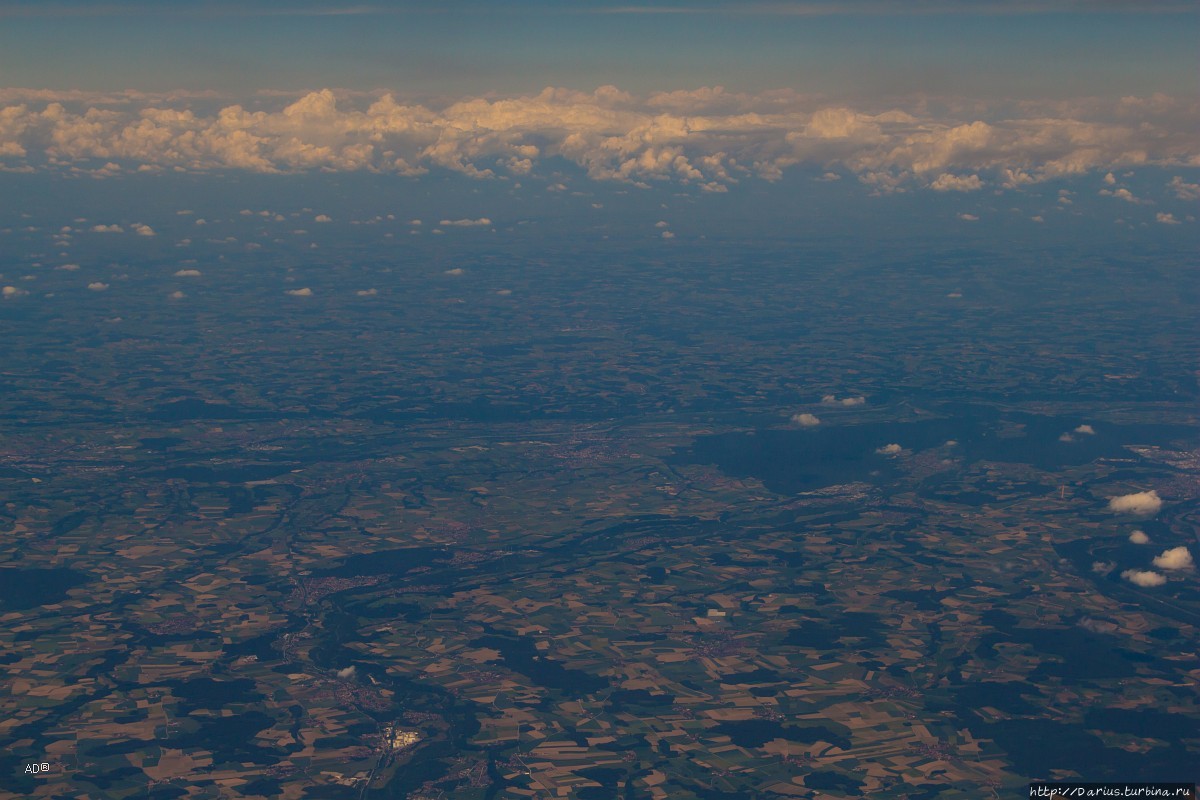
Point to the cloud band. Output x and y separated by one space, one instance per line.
708 137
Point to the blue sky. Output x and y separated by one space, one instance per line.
848 49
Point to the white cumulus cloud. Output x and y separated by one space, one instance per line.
1139 537
1177 558
143 230
892 449
107 229
97 286
1141 503
188 273
806 420
1166 218
1143 577
1086 430
832 400
466 223
1120 194
305 292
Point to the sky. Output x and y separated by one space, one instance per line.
857 48
933 96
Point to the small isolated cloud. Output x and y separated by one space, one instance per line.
415 222
956 183
1120 194
1140 503
668 235
177 295
347 673
305 292
97 286
455 271
1184 190
504 292
11 291
143 230
968 217
1103 567
1037 218
188 273
1143 577
322 218
1066 437
1086 430
466 223
107 229
1139 537
806 420
832 400
660 224
1166 218
69 267
367 292
892 449
1110 179
1176 558
1097 626
830 176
